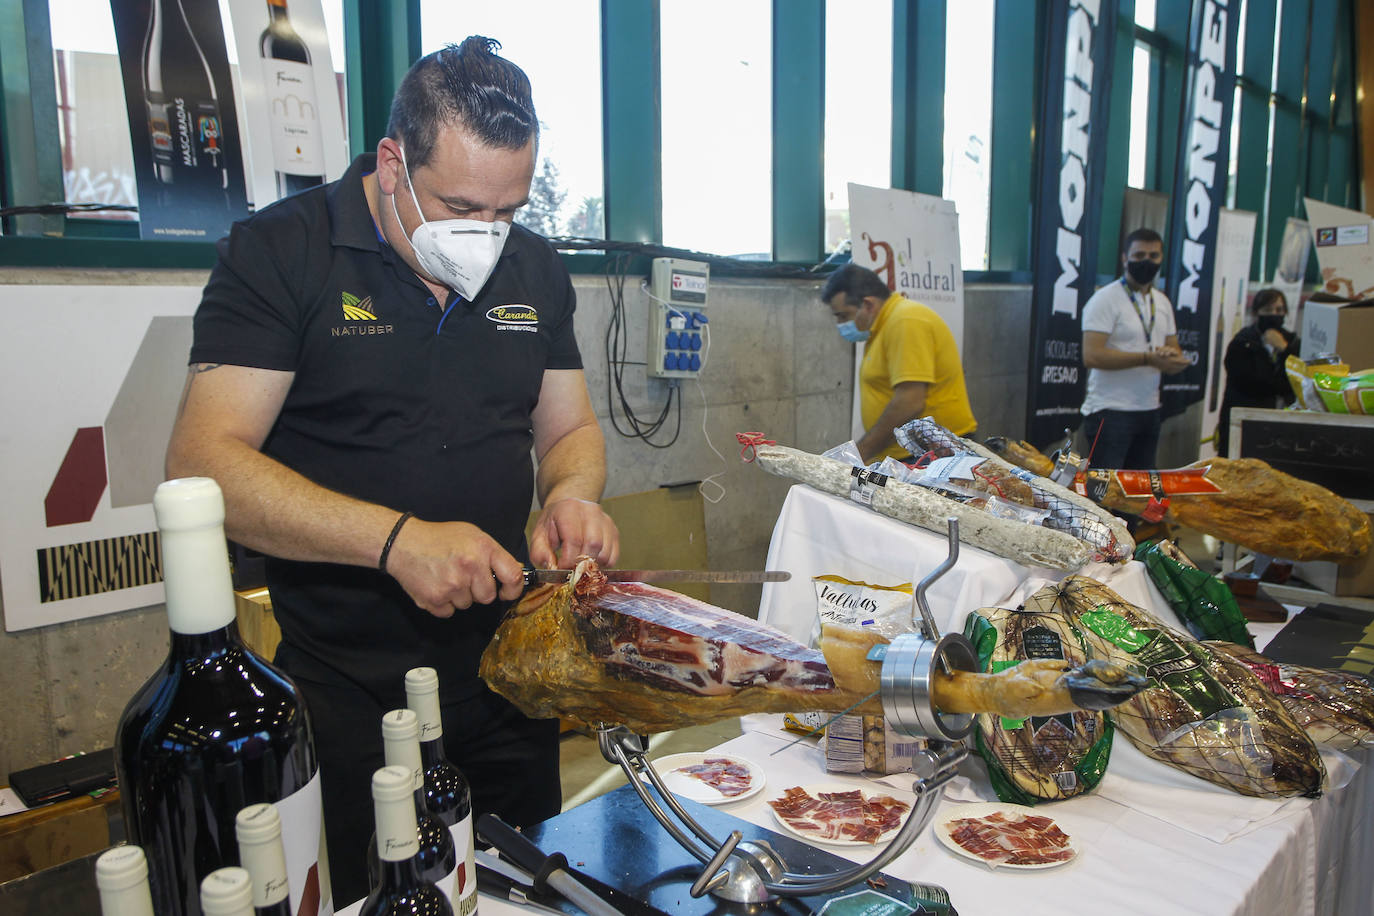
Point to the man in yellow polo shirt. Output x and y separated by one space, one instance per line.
911 364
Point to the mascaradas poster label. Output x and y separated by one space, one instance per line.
183 124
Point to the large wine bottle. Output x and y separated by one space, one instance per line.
215 729
121 877
294 112
258 828
227 891
399 890
401 747
184 122
446 789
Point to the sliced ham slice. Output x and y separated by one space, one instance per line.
726 776
1015 839
839 815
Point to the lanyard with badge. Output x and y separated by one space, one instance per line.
1149 328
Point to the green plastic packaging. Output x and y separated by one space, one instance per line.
1203 602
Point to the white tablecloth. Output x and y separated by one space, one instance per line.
1314 856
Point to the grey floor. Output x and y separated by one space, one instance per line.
586 774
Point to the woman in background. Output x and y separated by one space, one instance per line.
1255 374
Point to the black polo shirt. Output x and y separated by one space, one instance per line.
398 399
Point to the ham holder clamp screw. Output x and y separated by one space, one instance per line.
752 872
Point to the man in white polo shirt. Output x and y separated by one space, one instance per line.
1129 341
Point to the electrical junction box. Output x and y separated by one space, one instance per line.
677 317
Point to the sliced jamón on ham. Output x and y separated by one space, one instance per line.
648 658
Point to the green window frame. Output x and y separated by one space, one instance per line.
1317 156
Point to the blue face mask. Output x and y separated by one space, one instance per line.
850 332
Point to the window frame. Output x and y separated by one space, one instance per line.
382 39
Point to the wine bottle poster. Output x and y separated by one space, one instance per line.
291 109
94 375
183 122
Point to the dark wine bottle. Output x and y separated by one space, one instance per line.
258 828
121 877
447 794
215 729
227 891
401 746
399 890
297 147
184 122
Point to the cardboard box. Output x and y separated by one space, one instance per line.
1332 325
1353 579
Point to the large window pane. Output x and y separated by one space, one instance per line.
716 63
97 157
1140 116
558 45
858 105
968 123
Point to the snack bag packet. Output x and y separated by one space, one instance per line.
886 608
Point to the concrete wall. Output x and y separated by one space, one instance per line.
775 365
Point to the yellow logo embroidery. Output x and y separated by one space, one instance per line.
513 314
355 309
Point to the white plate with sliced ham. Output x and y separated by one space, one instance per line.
712 779
841 815
1005 836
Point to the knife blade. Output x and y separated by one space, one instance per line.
533 576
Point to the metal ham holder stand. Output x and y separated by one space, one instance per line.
751 872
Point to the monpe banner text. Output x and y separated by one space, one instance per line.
1073 132
1199 191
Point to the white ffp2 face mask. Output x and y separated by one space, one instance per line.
459 253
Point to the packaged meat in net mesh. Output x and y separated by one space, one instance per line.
1039 758
1335 708
1204 712
1063 509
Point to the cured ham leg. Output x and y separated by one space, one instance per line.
603 653
1035 687
1240 500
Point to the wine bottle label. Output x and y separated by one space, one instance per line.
447 885
302 825
464 893
296 145
160 132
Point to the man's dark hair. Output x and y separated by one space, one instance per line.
855 282
1266 297
1140 235
466 84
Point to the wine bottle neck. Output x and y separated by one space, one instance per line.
432 752
205 645
195 570
398 875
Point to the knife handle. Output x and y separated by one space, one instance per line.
522 851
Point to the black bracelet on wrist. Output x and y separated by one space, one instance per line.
391 539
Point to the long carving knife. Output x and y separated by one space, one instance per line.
535 576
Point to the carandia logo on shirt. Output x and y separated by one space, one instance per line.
514 317
359 310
